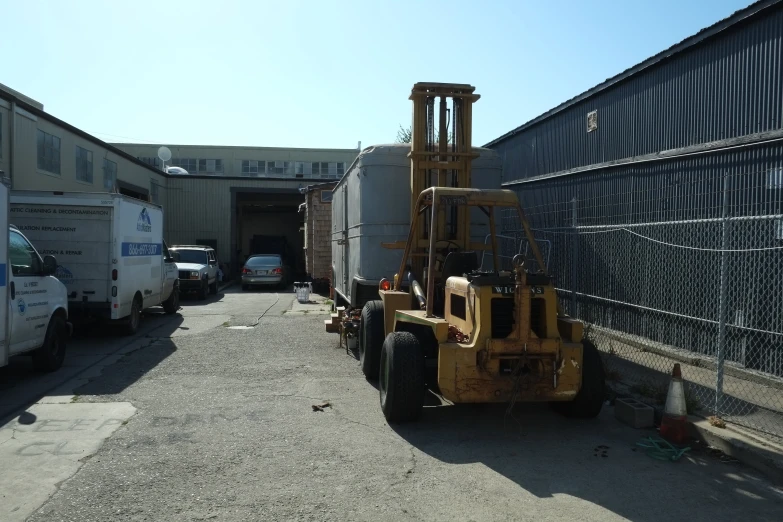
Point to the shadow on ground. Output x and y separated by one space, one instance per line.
596 460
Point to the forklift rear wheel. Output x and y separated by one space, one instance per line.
401 382
590 398
371 338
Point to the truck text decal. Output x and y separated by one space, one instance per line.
141 249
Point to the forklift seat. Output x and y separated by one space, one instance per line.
459 264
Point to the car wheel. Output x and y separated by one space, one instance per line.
204 290
134 320
171 305
50 356
213 288
245 288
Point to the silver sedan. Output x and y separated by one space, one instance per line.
264 270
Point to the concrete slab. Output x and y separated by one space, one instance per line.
762 455
318 305
46 445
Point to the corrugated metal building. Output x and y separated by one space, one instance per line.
658 195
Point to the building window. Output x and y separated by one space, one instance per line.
279 167
83 165
210 166
252 167
191 165
109 174
304 167
152 162
154 194
48 152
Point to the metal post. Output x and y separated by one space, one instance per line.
431 259
723 299
574 257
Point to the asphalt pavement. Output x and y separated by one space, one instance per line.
214 420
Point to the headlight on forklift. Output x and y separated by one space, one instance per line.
194 275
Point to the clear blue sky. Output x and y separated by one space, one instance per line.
320 73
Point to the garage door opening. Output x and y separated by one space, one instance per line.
269 223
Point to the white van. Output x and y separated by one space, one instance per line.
110 249
34 310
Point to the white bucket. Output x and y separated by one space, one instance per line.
303 292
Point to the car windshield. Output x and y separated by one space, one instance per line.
190 256
263 261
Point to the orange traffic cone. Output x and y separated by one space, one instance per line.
674 425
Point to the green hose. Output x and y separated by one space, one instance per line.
661 449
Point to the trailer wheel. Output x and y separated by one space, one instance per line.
204 290
135 317
371 338
171 305
590 398
50 356
401 382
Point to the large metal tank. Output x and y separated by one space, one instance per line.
371 206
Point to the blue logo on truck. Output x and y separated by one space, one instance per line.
141 249
64 275
21 306
144 223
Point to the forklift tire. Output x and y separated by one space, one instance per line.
590 398
50 356
371 338
401 382
171 305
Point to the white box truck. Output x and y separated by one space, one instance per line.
110 251
34 305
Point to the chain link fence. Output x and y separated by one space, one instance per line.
659 282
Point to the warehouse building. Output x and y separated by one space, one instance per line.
41 152
658 196
240 200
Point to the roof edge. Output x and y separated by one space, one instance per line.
704 34
82 134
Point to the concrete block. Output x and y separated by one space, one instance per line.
634 413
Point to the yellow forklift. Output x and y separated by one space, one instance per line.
497 333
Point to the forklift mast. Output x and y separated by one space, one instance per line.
441 155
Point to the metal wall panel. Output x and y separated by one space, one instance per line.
198 208
724 87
